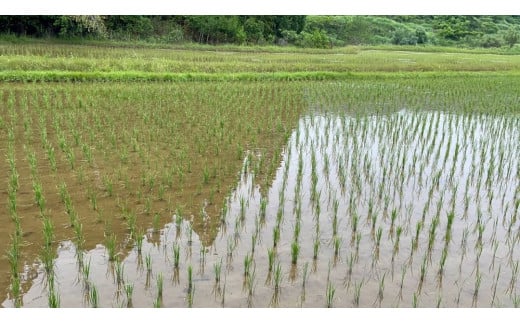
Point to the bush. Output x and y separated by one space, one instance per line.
316 39
489 41
254 30
130 27
167 30
421 36
404 37
512 36
289 37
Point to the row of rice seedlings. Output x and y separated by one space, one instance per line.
13 251
48 256
13 257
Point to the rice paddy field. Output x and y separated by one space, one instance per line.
138 177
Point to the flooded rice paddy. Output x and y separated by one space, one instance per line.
327 208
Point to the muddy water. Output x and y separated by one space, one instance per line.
194 169
392 173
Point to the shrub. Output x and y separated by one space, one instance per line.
512 36
316 39
404 37
489 41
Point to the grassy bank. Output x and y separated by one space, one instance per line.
50 61
136 76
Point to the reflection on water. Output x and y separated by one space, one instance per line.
405 209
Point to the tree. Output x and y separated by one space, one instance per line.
132 27
254 30
512 37
80 26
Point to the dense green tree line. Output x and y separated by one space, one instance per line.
305 31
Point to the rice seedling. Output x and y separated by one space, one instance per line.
516 301
190 296
157 302
358 242
147 205
295 251
271 254
398 233
139 237
315 248
231 244
250 285
254 238
494 287
119 269
109 185
129 291
355 220
16 291
357 293
424 267
329 295
156 222
478 280
38 195
160 286
337 245
110 245
248 262
176 256
379 233
278 276
297 229
514 277
53 298
393 217
263 208
276 236
85 271
217 269
381 290
190 235
304 279
418 228
93 296
447 237
92 197
148 262
48 231
431 234
442 262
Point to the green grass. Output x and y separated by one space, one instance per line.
51 62
54 57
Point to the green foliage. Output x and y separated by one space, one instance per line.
404 37
254 30
489 41
81 26
215 29
316 39
303 31
129 27
455 27
512 36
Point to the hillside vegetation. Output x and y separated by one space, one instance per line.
300 31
